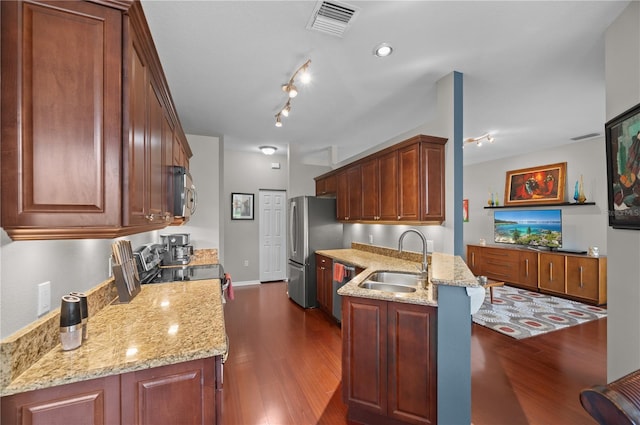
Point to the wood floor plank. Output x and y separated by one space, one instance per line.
284 367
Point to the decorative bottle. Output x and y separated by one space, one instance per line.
581 197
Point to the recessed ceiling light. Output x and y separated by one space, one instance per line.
382 50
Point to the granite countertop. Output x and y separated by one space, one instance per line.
445 269
164 324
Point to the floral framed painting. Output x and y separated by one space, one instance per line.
242 206
623 168
544 184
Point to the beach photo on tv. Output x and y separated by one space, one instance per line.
529 227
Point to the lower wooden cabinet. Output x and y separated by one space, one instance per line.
567 275
551 274
185 393
92 402
389 361
324 283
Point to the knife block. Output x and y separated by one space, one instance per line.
126 292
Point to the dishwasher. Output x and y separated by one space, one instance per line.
342 273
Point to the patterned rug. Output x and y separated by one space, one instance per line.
520 314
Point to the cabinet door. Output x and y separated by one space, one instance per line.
326 185
324 283
388 172
179 393
354 177
409 175
342 196
157 176
412 383
167 160
552 273
136 157
583 277
94 402
474 259
370 190
433 190
364 355
61 108
528 270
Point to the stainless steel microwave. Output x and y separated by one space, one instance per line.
182 195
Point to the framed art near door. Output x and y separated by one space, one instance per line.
242 206
623 167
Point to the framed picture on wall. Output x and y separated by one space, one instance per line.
465 210
623 166
242 206
536 185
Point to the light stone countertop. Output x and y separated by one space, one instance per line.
445 269
164 324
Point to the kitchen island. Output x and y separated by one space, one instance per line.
141 361
406 356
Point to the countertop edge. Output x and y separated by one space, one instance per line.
445 269
216 346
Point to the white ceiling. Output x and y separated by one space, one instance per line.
533 71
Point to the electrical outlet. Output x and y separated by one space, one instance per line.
44 298
370 239
246 263
429 245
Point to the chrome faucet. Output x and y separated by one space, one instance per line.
424 246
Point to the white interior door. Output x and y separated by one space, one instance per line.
273 237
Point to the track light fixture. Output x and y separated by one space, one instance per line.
287 108
292 91
478 140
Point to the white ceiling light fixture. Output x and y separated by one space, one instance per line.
292 91
268 150
478 140
383 50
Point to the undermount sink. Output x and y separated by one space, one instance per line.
398 282
397 278
387 287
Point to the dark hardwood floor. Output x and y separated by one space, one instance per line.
284 367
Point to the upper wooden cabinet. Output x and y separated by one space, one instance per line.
349 194
83 104
326 186
399 185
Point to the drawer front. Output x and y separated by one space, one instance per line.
500 264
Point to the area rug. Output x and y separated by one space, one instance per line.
520 314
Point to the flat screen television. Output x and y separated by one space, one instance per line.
534 228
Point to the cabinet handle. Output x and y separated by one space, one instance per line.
581 283
149 217
398 217
550 272
526 267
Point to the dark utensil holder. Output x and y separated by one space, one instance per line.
124 295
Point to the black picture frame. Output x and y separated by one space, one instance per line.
622 135
242 206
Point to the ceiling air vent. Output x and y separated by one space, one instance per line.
586 136
332 18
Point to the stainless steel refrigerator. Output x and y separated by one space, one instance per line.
312 227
